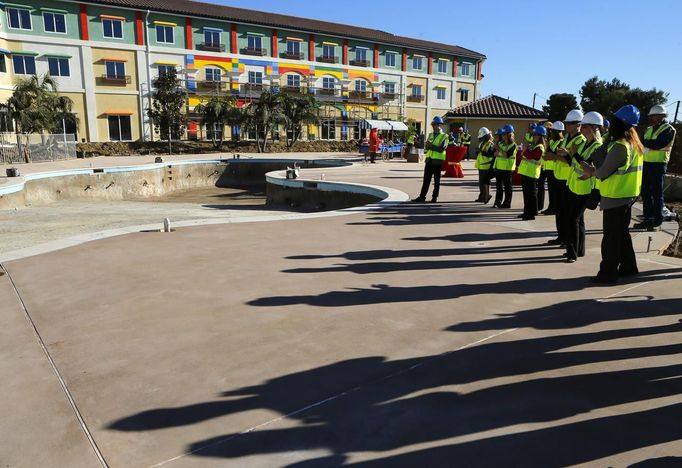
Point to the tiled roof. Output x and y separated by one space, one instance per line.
275 20
495 106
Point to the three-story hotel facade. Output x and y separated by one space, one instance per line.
106 54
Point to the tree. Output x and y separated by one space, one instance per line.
36 106
298 110
264 116
216 112
558 106
606 97
168 99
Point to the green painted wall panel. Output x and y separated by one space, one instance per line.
178 31
95 24
37 22
242 40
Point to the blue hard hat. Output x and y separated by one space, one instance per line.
540 130
438 120
508 129
499 131
628 114
533 125
607 123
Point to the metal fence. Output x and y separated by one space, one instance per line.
21 148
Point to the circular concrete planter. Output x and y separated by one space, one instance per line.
673 187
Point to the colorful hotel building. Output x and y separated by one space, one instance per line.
107 53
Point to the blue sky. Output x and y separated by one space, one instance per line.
530 50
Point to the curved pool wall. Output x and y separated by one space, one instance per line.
144 181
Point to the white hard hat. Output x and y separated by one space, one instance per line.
658 110
574 116
483 131
593 118
558 125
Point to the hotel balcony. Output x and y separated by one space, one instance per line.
212 47
212 85
415 98
254 51
360 63
116 79
293 55
360 95
327 59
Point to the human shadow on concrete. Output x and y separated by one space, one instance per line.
373 404
409 214
387 294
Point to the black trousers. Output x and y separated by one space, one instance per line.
561 217
503 187
530 195
483 179
551 190
575 242
544 175
432 169
617 253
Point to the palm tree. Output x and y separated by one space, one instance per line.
265 116
35 105
218 111
298 110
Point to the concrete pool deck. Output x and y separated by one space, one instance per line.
433 335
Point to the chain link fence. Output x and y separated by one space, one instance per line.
21 148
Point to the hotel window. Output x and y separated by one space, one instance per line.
254 42
361 86
328 82
115 70
463 94
164 34
3 64
255 77
416 90
119 128
213 74
165 70
328 128
389 88
19 18
466 69
58 66
390 59
442 66
360 55
24 65
211 38
293 47
417 63
328 51
54 22
440 93
293 81
112 28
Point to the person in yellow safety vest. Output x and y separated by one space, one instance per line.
530 169
620 175
579 190
544 176
604 130
658 143
409 144
435 145
484 160
555 141
465 140
505 162
571 146
528 137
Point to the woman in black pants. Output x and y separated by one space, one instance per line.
620 174
505 162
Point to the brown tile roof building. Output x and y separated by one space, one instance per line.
275 20
495 106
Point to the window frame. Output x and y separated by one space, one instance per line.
440 91
54 22
213 33
468 68
293 77
462 93
444 63
120 132
255 74
116 64
23 62
3 64
21 26
60 68
297 46
389 88
254 37
113 29
328 79
394 57
361 54
415 88
165 28
163 69
215 72
361 86
421 63
327 47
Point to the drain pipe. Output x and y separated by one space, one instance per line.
149 74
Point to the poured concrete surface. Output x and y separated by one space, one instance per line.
420 335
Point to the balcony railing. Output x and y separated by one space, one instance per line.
212 47
360 63
212 85
292 89
254 51
325 92
415 98
116 79
327 59
362 95
388 96
293 55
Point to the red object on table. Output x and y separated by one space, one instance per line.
453 158
516 177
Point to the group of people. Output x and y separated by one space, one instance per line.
586 161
